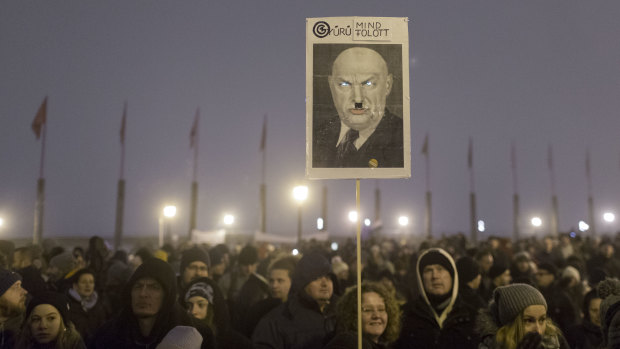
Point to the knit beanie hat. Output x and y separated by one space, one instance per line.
7 279
467 268
192 255
64 262
497 269
309 268
248 255
217 254
571 272
57 300
181 337
509 301
200 288
609 291
435 257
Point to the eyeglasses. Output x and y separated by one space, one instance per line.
369 310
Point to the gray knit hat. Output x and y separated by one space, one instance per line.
181 337
510 301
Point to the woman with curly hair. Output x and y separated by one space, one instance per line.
517 319
380 318
46 325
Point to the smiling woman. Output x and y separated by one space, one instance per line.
380 318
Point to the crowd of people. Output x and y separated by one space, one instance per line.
554 292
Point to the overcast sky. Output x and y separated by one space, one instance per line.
533 72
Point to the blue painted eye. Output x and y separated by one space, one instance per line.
367 83
345 83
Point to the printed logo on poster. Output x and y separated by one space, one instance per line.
357 98
359 29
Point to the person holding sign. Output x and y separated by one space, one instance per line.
365 134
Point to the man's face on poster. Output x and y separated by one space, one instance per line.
360 84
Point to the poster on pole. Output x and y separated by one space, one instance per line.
357 98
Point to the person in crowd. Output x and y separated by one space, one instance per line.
231 282
79 257
280 273
485 260
307 318
149 310
47 325
254 290
546 253
60 270
570 284
341 270
194 264
499 275
388 280
609 291
437 318
32 280
97 256
469 282
380 318
561 309
140 256
119 272
522 268
605 260
517 318
87 310
12 307
205 303
587 335
220 257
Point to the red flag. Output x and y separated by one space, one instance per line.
123 123
40 119
470 154
425 145
263 138
193 134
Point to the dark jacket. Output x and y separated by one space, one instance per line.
560 307
471 297
420 326
385 144
9 331
348 340
585 336
86 321
254 290
299 323
32 281
124 332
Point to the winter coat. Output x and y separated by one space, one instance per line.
296 324
254 290
348 340
560 307
124 332
422 327
487 328
585 336
86 321
9 330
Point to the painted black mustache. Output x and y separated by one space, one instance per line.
358 105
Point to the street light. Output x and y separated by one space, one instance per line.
300 194
536 221
228 219
583 226
481 227
168 213
367 222
1 221
403 221
352 216
609 217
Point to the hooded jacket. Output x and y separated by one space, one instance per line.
299 323
425 327
124 331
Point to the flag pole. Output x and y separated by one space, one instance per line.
472 195
194 139
590 197
515 190
263 187
555 220
39 126
429 197
120 189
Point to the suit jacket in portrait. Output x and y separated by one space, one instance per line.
385 145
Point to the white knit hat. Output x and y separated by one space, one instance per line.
181 337
571 272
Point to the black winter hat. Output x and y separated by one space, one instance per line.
217 253
549 267
248 255
497 269
435 257
7 279
57 300
467 268
309 268
192 255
